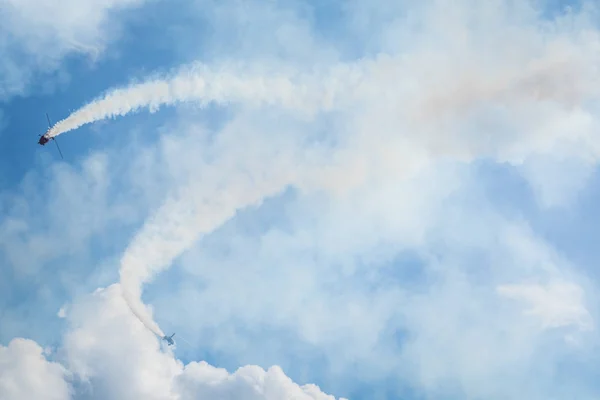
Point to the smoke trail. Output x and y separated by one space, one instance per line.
303 93
322 90
183 218
178 224
188 214
132 297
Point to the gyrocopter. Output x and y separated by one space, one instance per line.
169 339
45 138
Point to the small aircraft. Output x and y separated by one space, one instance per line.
169 339
45 139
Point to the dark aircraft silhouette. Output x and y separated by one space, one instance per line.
45 139
169 339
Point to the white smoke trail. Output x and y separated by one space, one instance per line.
303 93
179 223
181 220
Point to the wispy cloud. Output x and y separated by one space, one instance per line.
556 305
37 35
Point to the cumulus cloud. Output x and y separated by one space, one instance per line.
112 355
108 354
201 380
26 374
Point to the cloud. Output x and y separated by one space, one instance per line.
36 35
556 305
337 280
356 247
28 243
112 355
569 177
26 374
201 380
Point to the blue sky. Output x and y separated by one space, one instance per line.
429 233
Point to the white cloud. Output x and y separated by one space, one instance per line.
555 304
35 35
62 313
27 243
113 355
328 274
26 374
569 177
284 29
107 353
201 380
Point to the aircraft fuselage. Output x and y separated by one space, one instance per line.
43 140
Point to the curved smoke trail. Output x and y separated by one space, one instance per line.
184 217
179 223
198 83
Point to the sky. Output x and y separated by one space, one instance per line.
322 200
